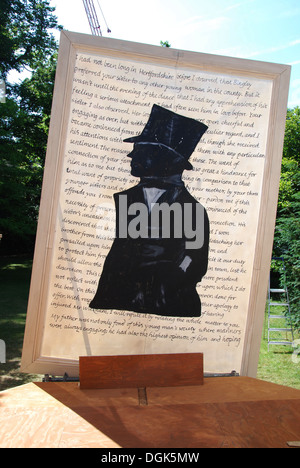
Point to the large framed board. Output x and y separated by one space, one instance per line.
105 91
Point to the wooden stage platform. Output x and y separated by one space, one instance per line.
233 412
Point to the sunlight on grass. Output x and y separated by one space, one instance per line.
25 265
278 364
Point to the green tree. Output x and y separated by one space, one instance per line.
292 135
25 37
165 44
287 233
26 42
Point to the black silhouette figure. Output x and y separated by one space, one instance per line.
154 273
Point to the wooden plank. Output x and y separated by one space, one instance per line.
160 370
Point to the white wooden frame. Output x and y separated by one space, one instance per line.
71 44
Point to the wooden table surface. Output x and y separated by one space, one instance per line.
233 412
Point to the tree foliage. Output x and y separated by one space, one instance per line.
26 43
287 233
165 44
25 37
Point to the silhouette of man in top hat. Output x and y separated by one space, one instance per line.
154 273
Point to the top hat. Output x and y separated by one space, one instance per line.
171 131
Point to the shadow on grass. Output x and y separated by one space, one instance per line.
15 273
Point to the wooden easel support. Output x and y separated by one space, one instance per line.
141 371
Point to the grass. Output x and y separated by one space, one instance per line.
14 288
278 364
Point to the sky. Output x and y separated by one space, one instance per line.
264 30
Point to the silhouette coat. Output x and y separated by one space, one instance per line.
157 275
